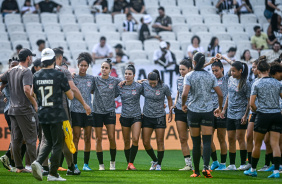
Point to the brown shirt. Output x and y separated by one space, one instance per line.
17 78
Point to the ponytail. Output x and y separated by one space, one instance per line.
244 67
155 75
263 66
131 67
109 61
200 60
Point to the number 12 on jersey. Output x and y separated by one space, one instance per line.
45 102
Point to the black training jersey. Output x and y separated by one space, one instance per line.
49 85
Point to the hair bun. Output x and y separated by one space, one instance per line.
109 60
131 66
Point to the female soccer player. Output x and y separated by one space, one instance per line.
84 83
185 67
130 119
237 113
105 91
268 92
200 111
155 91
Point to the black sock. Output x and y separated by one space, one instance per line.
276 162
223 158
23 149
12 163
254 162
75 158
86 157
133 153
113 153
281 160
152 154
207 149
271 157
100 157
127 153
267 159
46 168
232 157
62 160
214 156
243 155
71 167
196 153
187 156
250 157
160 157
8 154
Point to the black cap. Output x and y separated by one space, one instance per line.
24 53
232 49
37 62
118 46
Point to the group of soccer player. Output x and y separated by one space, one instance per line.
204 102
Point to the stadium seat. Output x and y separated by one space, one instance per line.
92 37
129 36
199 27
33 27
74 36
258 2
66 10
215 28
28 18
48 18
254 54
76 3
15 27
200 3
204 36
184 36
4 36
194 19
85 19
249 29
174 45
180 28
239 36
51 27
235 28
2 27
15 36
33 37
88 27
24 43
243 44
223 36
212 19
111 35
70 27
106 27
189 10
178 55
137 54
208 10
63 2
171 3
55 36
228 18
150 3
5 55
172 10
77 45
258 10
262 20
133 45
5 44
55 44
185 3
118 19
82 10
113 43
75 53
151 44
184 45
248 18
153 10
178 19
67 19
264 51
142 62
12 18
103 18
204 44
226 44
166 35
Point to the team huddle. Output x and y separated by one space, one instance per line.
38 107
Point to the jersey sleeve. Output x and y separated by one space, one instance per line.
27 78
167 91
254 89
4 77
187 80
248 89
215 84
64 83
68 75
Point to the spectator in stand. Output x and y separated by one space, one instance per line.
103 3
274 53
118 49
226 6
230 55
243 7
195 45
270 7
48 6
120 6
28 8
102 50
9 6
246 57
162 22
129 23
172 54
16 54
274 29
260 40
144 32
41 46
214 47
119 64
137 6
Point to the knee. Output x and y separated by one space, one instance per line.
240 139
87 139
160 142
231 139
99 139
221 140
135 141
111 138
126 142
146 143
183 140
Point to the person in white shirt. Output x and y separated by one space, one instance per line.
41 46
102 50
28 8
195 45
230 55
274 53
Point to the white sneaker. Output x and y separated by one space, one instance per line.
242 168
112 165
187 168
248 166
153 166
54 178
230 168
101 167
28 167
5 161
264 168
36 170
13 169
158 168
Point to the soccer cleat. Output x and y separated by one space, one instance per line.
230 168
271 168
274 175
194 175
158 168
62 169
221 167
86 168
75 166
23 171
101 167
153 166
206 173
76 171
130 167
186 168
264 168
28 167
248 166
36 170
13 169
54 178
250 173
112 165
45 173
5 161
241 168
214 165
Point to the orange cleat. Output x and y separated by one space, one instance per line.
207 173
194 175
130 167
62 169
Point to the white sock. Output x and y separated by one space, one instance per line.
222 163
187 160
275 171
253 170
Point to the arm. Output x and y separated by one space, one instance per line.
184 97
224 108
27 92
110 55
220 100
142 10
169 101
244 118
210 62
228 60
69 94
252 103
272 5
219 3
271 42
132 10
167 28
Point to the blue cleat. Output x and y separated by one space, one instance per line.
214 165
250 173
75 166
86 168
271 168
221 167
274 175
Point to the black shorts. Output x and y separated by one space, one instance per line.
180 115
154 122
220 123
81 119
266 122
196 119
253 117
128 122
104 119
235 124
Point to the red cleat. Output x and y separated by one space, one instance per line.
207 173
62 169
194 175
130 167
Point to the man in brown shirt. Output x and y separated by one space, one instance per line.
162 22
21 112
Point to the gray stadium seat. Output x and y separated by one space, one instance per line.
12 18
48 18
180 28
151 44
199 27
137 54
166 35
133 45
85 19
88 27
215 28
183 3
77 45
67 19
194 19
52 27
15 27
27 18
142 62
189 10
74 36
223 36
106 27
15 36
129 36
111 35
33 27
70 27
103 18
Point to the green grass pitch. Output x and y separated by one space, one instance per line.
173 160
